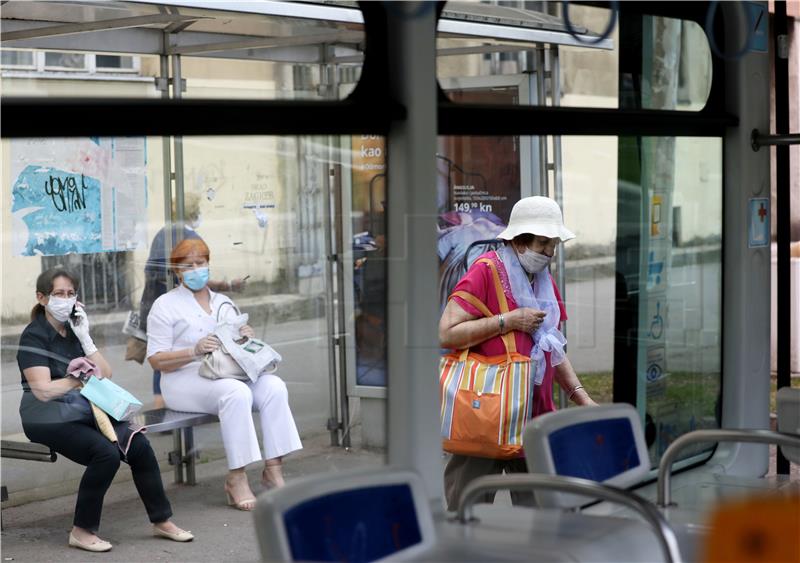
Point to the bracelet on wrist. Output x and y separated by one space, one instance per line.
501 321
575 390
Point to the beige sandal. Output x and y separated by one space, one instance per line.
272 476
248 503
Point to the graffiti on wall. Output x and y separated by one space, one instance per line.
77 195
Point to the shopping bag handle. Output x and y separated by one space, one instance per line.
508 338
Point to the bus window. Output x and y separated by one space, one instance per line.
665 64
264 206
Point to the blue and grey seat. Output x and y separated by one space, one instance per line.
383 514
606 444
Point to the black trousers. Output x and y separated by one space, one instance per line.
84 444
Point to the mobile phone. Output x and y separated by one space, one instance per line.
74 314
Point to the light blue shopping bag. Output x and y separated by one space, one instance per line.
111 398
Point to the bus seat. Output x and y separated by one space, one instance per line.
788 399
382 514
361 515
603 443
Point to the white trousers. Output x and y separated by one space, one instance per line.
233 402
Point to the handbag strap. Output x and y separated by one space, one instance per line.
235 308
508 338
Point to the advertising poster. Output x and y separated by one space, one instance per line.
77 196
478 182
369 256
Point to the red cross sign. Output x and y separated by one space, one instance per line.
762 212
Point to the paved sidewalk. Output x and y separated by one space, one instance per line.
38 531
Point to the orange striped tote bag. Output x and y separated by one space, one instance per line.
485 400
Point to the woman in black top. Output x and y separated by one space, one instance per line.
55 414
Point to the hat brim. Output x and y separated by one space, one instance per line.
549 231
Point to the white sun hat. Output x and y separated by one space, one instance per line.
536 215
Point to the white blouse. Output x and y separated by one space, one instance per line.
177 321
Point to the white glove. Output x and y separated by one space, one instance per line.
80 327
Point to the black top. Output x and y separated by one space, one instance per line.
41 345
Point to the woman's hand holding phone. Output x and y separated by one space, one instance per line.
79 323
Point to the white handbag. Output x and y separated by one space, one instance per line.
219 364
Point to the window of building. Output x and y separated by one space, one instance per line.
64 61
18 59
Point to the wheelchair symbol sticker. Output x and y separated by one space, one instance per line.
656 323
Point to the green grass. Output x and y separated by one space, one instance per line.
681 388
600 385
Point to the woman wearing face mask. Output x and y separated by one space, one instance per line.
156 271
55 414
536 310
179 333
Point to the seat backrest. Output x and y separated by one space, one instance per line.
603 443
788 400
361 515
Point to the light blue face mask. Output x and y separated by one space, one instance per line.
195 279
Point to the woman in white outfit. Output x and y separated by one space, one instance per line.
179 333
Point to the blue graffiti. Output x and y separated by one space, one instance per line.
61 210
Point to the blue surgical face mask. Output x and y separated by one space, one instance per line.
195 279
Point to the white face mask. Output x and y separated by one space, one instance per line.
61 307
195 224
533 262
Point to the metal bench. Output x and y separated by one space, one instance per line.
27 450
182 454
23 450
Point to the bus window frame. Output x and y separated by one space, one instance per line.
371 108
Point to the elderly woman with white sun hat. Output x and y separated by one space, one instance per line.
535 228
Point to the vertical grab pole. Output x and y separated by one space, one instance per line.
413 347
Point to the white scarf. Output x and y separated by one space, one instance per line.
547 338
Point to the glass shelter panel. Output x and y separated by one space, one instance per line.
99 206
642 280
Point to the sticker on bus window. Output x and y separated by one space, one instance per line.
758 223
759 22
